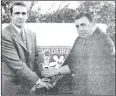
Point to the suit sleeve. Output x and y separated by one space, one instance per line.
109 46
10 55
71 58
38 67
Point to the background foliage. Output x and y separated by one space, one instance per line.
103 12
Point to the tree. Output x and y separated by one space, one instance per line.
107 15
33 16
6 11
102 11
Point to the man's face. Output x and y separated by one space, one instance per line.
19 15
84 27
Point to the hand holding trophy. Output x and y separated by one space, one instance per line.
51 70
50 73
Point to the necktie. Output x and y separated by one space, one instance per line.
23 36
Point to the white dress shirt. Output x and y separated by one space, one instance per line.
19 30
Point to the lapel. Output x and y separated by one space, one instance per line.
17 37
28 39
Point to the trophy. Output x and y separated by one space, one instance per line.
56 63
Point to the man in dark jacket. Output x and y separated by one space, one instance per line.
91 60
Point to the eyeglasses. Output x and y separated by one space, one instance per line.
18 13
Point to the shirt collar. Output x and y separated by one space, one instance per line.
17 29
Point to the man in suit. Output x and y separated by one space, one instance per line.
91 60
19 55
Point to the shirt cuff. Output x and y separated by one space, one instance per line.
38 81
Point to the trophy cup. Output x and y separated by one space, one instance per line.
58 62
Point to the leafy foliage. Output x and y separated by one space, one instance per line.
103 12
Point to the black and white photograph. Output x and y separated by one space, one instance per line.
57 48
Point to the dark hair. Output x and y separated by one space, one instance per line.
88 15
22 3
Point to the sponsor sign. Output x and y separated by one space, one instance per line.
53 56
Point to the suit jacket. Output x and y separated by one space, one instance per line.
92 64
19 60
